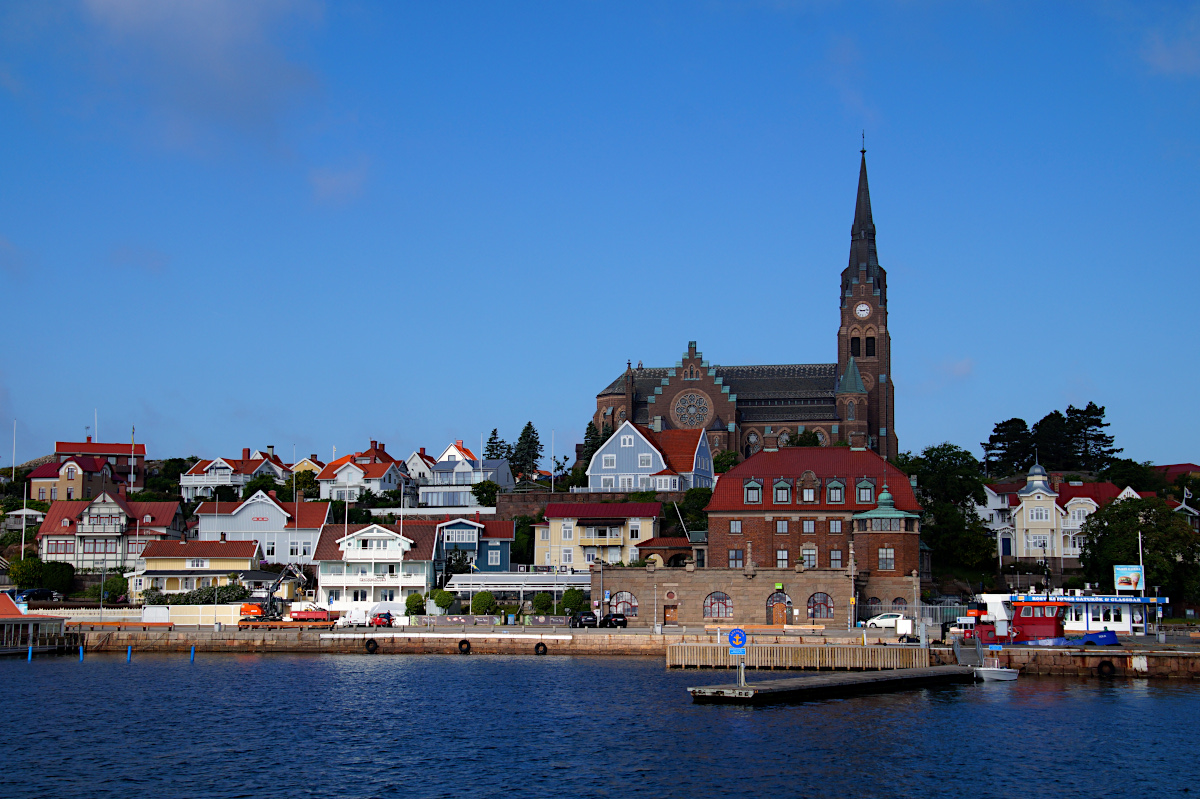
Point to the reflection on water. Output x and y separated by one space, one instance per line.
264 726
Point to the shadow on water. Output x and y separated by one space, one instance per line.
361 725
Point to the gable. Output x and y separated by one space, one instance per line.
627 457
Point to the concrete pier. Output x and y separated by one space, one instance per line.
822 685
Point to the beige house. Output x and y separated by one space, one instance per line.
309 464
578 534
179 566
75 477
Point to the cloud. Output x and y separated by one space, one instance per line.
12 260
337 186
957 370
149 260
1177 54
203 67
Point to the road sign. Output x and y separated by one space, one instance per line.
737 650
737 637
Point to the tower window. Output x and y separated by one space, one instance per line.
870 346
850 406
855 346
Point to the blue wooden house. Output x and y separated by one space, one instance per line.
638 458
488 544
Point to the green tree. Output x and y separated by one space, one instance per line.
543 603
114 589
1124 472
1094 449
166 481
306 481
591 443
949 486
483 604
443 599
496 448
457 562
807 438
695 517
1053 443
574 600
527 452
26 573
485 493
58 576
414 604
1169 549
1009 449
724 460
522 546
264 482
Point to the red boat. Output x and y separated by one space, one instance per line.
1038 624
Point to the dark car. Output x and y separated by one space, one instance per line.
614 620
584 619
37 595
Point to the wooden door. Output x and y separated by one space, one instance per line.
670 614
779 613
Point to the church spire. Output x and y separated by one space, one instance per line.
862 207
862 241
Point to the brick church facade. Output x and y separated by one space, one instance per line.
742 406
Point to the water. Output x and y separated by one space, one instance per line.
446 726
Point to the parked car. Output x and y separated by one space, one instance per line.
38 595
381 620
356 617
885 620
614 620
584 619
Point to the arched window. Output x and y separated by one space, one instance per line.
850 411
820 606
873 603
784 438
624 602
718 605
776 598
899 602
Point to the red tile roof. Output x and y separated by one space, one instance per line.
844 463
663 543
9 611
495 528
602 510
94 448
238 465
162 514
678 447
201 549
1173 470
86 463
422 534
1100 493
371 471
312 514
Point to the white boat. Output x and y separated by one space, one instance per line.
992 671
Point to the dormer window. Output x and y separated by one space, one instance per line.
809 494
626 441
146 519
66 522
866 493
836 492
783 493
753 493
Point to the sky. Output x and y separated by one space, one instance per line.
310 225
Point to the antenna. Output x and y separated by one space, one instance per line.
864 143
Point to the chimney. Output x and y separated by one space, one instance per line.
89 439
245 453
183 541
422 450
770 440
271 450
458 442
222 538
312 457
382 448
1056 479
121 490
271 493
858 439
373 443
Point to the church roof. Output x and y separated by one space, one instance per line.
748 382
851 382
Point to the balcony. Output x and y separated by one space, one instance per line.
596 540
212 479
398 579
101 529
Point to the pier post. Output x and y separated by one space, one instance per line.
129 653
29 654
193 653
81 653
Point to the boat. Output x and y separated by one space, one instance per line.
992 671
1035 623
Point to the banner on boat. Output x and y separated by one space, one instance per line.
1127 578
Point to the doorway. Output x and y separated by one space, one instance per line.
670 614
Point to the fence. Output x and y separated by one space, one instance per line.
782 656
94 614
935 613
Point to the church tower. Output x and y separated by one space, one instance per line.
864 343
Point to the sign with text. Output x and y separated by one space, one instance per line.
1127 578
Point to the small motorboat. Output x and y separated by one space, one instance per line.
991 671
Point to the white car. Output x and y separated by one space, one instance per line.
885 620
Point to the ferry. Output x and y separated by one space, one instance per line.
1032 621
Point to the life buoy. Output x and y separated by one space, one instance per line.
371 645
539 648
1106 668
464 647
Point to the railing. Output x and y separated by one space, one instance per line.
938 613
101 528
371 579
783 656
208 479
95 614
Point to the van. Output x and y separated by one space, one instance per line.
358 617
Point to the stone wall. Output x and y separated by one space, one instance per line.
749 589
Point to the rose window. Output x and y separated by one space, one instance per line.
691 409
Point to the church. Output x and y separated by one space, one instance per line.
744 408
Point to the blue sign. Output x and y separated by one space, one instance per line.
995 647
737 637
737 650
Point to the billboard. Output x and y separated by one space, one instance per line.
1127 578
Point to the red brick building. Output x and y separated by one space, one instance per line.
742 406
823 508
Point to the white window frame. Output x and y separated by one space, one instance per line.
197 563
608 462
626 441
568 556
544 533
607 482
645 460
635 531
735 526
568 531
493 557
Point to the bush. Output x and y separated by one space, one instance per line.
414 605
26 573
443 599
58 577
543 603
114 588
573 600
201 596
483 604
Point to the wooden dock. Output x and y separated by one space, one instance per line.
829 684
788 656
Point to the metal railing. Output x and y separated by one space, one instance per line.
936 613
783 656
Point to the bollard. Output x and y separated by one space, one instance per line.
81 653
128 654
29 656
193 653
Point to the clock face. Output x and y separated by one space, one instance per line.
862 310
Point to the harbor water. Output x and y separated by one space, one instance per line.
448 726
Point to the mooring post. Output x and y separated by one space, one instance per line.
193 653
29 655
81 653
129 653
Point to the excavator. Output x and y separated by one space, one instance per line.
271 609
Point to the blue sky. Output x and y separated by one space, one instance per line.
311 225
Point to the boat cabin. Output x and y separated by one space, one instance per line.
1030 621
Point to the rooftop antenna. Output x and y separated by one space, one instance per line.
864 144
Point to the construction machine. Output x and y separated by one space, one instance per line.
271 608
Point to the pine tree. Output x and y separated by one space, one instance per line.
1010 448
1053 442
496 448
1094 448
591 443
527 452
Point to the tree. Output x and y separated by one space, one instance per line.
496 448
807 438
543 603
483 604
1009 449
485 493
306 481
1094 448
114 588
591 443
724 460
1124 472
522 546
573 600
1053 445
414 604
527 452
1169 548
443 599
457 562
264 482
693 508
58 576
26 573
949 486
166 481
